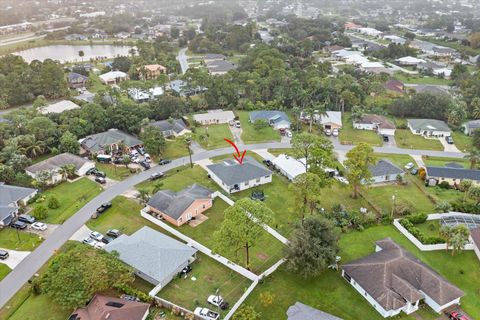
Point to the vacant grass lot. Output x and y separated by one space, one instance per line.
462 141
407 140
4 270
330 293
349 135
175 149
211 137
114 172
419 79
71 196
9 239
252 135
441 162
209 276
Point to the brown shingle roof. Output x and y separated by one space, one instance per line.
103 307
380 121
393 276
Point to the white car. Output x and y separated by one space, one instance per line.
99 245
335 132
237 124
206 313
89 241
328 132
342 180
40 226
217 301
288 133
97 236
409 166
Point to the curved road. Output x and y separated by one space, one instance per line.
182 59
32 263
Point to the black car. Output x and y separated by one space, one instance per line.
257 195
26 218
19 225
184 271
164 162
104 207
114 233
100 180
100 174
156 175
91 171
3 254
107 240
268 163
145 165
386 138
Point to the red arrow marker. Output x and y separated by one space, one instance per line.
239 156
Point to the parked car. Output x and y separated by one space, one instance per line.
206 313
385 138
114 233
268 163
147 158
288 133
449 140
185 270
104 207
100 174
335 132
342 180
164 162
129 297
89 241
231 123
4 255
145 165
409 166
218 301
107 240
91 171
99 245
414 171
26 218
19 225
455 315
40 226
328 132
95 235
141 150
238 124
257 195
156 175
100 180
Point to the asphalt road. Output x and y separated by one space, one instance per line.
32 263
182 59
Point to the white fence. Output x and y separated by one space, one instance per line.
241 300
431 247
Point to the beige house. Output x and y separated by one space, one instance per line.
151 71
180 207
453 176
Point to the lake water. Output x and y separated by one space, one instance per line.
69 53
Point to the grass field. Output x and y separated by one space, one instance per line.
9 239
175 149
4 270
209 276
430 228
441 162
407 140
419 79
252 135
71 196
330 293
462 141
114 172
211 137
349 135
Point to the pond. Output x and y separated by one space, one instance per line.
69 53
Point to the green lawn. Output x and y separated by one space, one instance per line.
445 194
71 196
277 152
441 162
209 276
462 141
419 79
9 240
252 135
430 228
330 293
406 139
175 149
398 159
114 172
349 135
4 270
211 137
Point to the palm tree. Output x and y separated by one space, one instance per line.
143 195
81 54
188 142
157 187
36 148
66 171
474 157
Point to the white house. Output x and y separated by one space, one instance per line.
54 165
59 107
429 128
409 61
392 280
113 77
232 176
289 166
276 119
384 172
214 117
377 123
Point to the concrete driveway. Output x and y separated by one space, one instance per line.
45 233
82 233
237 134
448 147
391 142
15 257
265 154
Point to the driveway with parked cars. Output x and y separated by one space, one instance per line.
14 257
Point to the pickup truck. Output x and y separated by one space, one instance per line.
206 313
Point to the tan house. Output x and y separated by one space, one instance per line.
180 207
151 71
453 176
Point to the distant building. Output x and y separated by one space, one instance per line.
112 139
395 86
276 119
113 77
429 128
289 166
59 107
470 126
151 71
376 123
11 198
171 127
76 80
214 117
219 67
385 172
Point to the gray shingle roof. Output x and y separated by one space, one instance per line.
428 124
168 127
57 161
220 66
474 124
12 194
383 168
174 204
453 173
393 275
231 172
151 252
96 142
300 311
273 116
